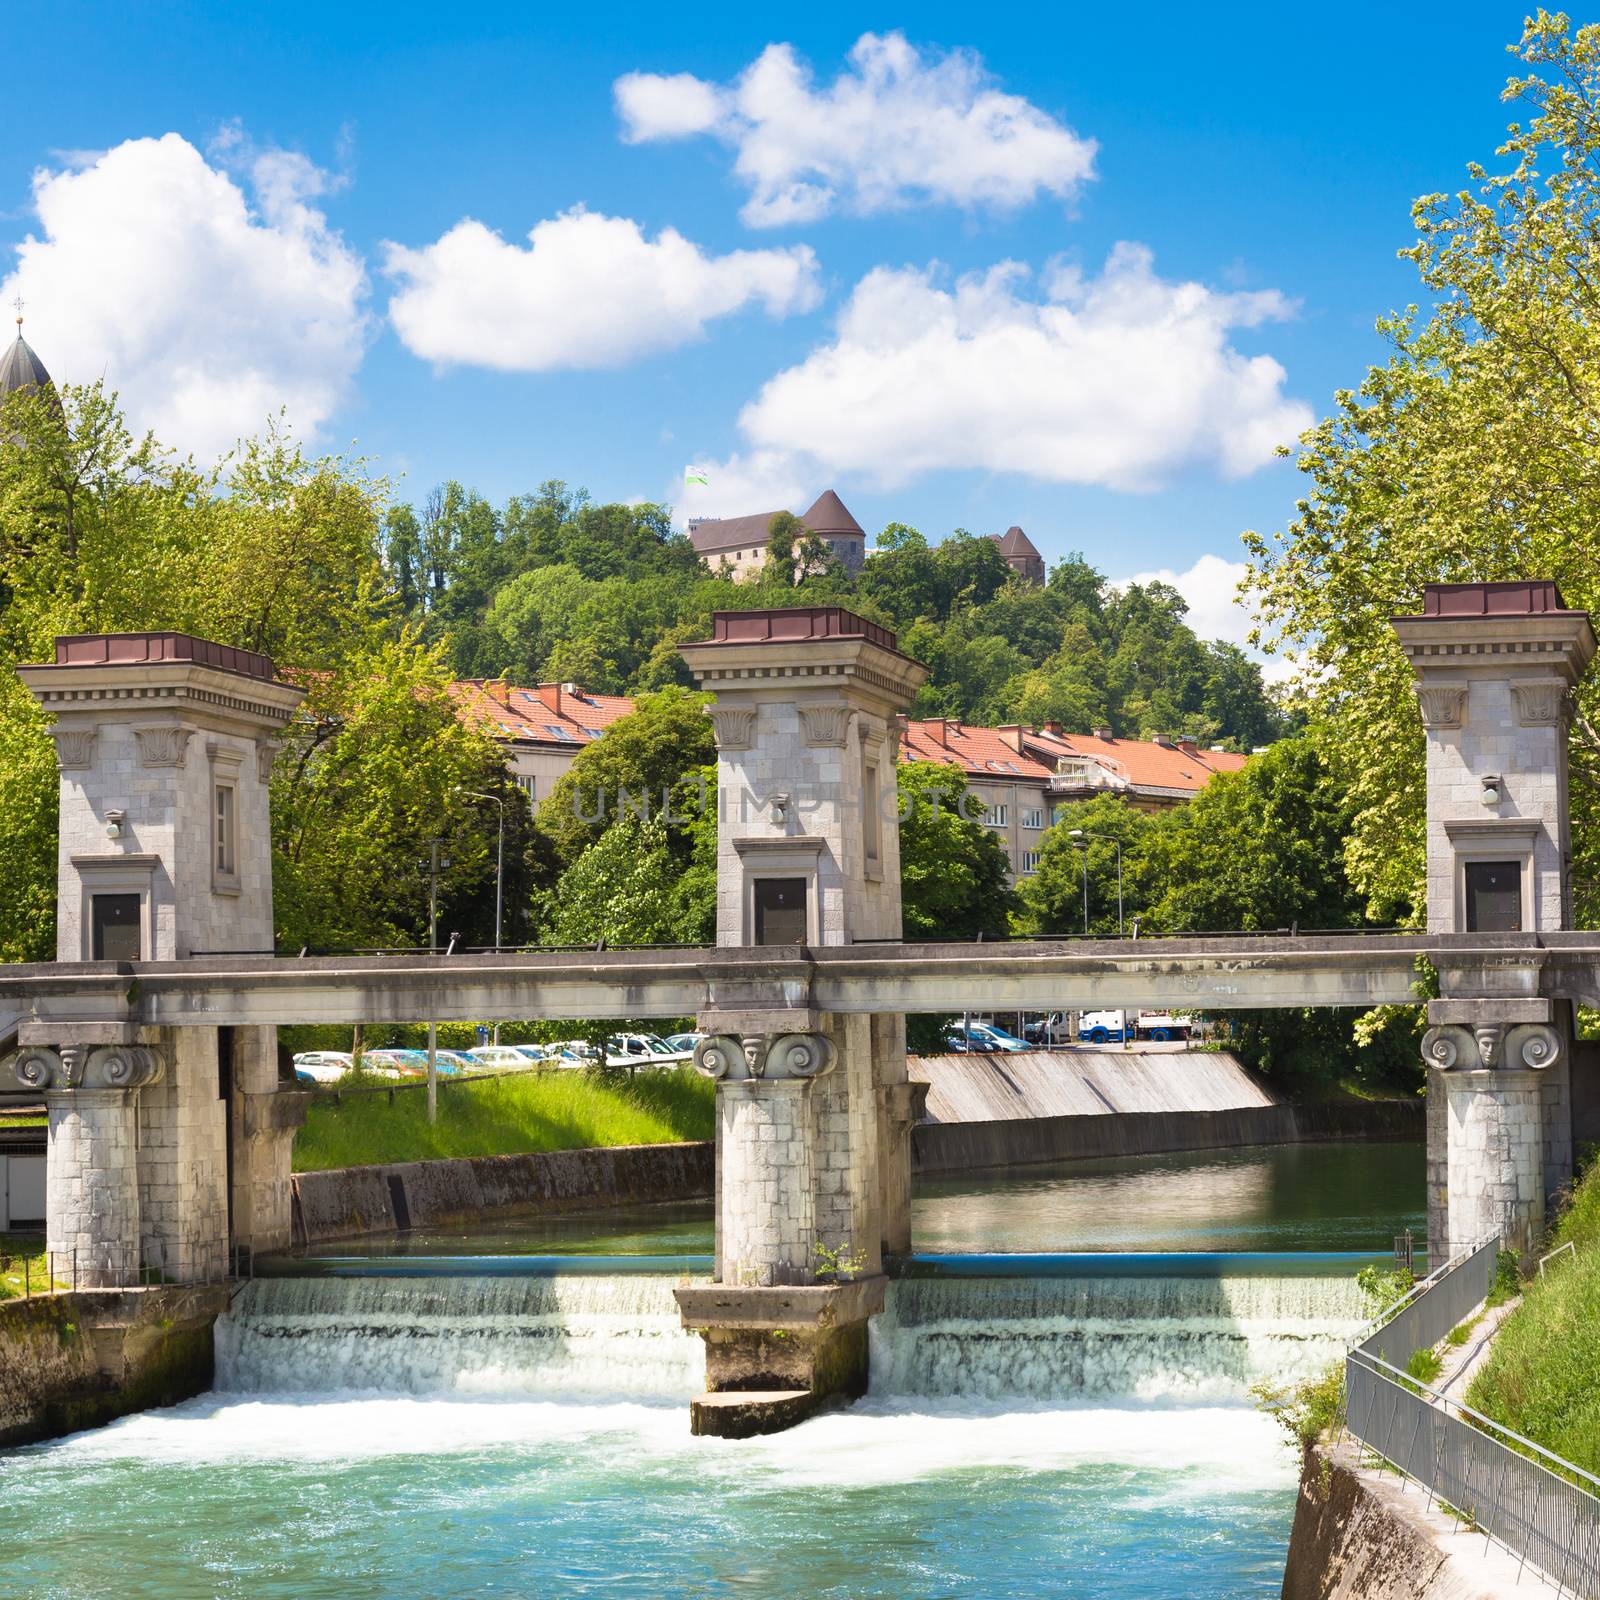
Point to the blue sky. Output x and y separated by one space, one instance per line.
1262 158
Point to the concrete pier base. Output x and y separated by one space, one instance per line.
776 1356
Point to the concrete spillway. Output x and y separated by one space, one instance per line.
1082 1083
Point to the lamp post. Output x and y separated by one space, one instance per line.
499 870
1079 835
1083 861
433 947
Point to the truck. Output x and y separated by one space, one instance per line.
1118 1027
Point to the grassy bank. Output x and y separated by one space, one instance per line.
1543 1374
17 1249
506 1116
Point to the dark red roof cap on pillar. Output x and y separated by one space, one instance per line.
130 649
796 622
1534 598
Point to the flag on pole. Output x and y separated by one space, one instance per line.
696 475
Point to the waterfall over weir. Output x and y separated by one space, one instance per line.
575 1336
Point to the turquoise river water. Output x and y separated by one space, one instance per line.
1036 1428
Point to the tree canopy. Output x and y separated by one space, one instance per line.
1468 455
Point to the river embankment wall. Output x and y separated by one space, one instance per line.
76 1360
1366 1535
1040 1106
425 1194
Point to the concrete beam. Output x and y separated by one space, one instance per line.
789 985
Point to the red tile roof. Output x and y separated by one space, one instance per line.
549 713
564 715
1140 762
979 752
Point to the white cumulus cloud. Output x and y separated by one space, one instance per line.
760 480
209 295
1117 380
586 291
898 127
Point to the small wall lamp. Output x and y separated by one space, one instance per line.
114 823
1492 795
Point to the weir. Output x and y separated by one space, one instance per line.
155 1048
1096 1336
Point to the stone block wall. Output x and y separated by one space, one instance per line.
183 1191
767 1183
1496 1159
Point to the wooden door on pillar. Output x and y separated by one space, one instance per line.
780 907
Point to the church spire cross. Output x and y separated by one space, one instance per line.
18 303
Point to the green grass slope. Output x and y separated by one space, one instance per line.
1543 1373
507 1116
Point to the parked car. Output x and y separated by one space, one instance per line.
321 1066
414 1063
684 1042
978 1040
998 1038
498 1058
453 1061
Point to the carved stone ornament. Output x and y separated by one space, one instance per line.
117 1066
732 726
780 1056
1445 1048
800 1055
1442 704
717 1056
1534 1045
1489 1039
74 747
266 753
162 747
826 724
1540 701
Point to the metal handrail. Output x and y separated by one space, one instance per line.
1559 1464
1560 1249
1419 1288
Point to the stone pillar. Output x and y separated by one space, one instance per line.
768 1134
1493 1078
165 745
1496 666
92 1203
813 1174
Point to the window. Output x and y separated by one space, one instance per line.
997 814
1030 860
114 924
872 820
1494 896
594 733
780 910
528 785
225 830
1033 817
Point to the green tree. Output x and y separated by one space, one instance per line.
637 765
1469 454
1053 897
953 870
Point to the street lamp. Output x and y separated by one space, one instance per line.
1078 836
1083 861
499 869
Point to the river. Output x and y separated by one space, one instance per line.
1078 1429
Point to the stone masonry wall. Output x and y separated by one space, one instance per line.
769 1216
1497 1141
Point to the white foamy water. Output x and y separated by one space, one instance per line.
1142 1338
1198 1451
570 1336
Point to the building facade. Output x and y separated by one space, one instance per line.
1021 554
738 545
1019 775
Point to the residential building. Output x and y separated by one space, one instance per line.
1020 554
543 728
1018 775
739 544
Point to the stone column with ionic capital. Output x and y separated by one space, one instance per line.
92 1183
768 1155
1494 1074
